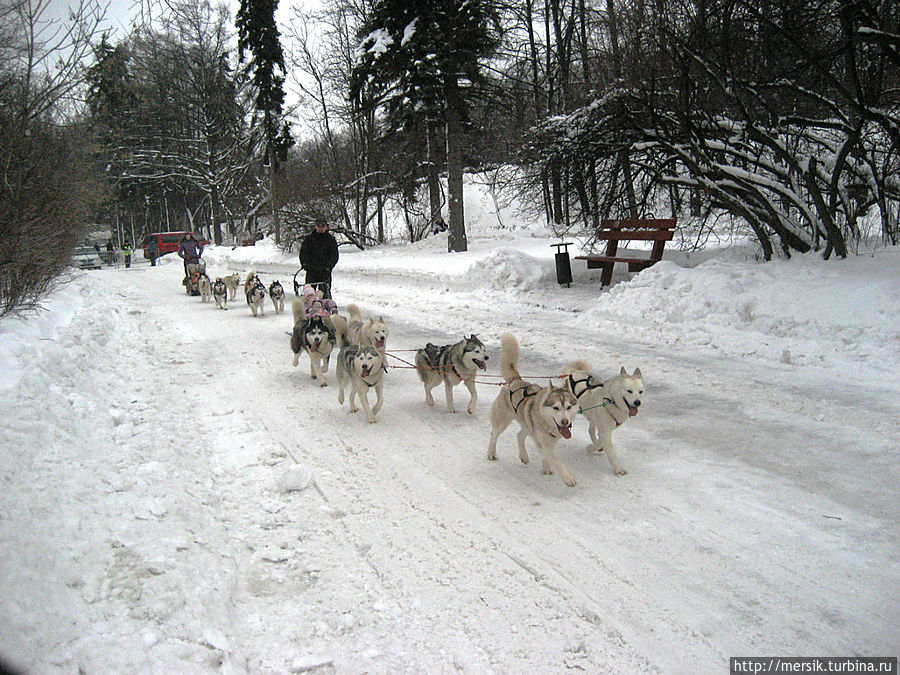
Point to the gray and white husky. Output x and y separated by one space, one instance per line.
256 296
362 368
451 364
607 405
313 336
232 281
220 293
276 294
544 413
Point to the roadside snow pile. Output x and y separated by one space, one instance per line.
802 311
26 338
508 270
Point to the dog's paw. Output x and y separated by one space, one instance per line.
492 455
354 409
568 479
621 472
323 383
471 410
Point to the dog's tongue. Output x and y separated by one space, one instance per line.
480 364
565 432
632 411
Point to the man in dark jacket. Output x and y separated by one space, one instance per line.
318 256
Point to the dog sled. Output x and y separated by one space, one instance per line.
299 284
191 280
314 304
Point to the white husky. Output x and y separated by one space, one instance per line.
607 405
372 331
205 287
544 413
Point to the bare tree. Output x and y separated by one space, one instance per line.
48 189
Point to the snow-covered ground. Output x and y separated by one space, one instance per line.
176 498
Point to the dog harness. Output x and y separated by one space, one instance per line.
527 390
574 385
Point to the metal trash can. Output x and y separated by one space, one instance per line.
563 265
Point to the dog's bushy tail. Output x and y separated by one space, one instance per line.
353 312
341 330
298 309
509 357
577 367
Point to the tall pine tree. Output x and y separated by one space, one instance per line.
420 55
258 33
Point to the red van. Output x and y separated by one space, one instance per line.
168 242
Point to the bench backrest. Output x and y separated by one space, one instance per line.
657 230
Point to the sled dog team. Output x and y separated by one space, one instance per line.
223 290
543 413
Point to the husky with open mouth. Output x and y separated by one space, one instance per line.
544 413
362 368
314 336
607 405
451 364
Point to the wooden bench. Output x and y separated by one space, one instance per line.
659 231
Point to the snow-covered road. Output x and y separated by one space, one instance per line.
178 498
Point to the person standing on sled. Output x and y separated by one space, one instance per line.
318 256
190 251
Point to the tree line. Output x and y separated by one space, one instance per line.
780 116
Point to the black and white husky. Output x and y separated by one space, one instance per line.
544 413
362 368
256 295
451 364
315 337
607 405
276 293
220 293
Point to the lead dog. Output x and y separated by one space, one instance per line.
276 294
220 293
607 405
544 413
362 367
451 364
312 335
232 281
